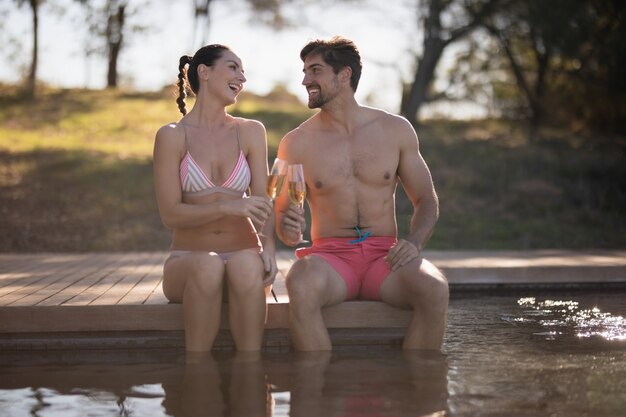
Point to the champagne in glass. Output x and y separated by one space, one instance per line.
297 193
275 186
296 187
296 184
276 178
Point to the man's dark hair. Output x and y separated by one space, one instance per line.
337 52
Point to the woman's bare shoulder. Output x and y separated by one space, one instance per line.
251 131
249 125
170 136
170 130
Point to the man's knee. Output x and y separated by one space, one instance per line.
306 280
424 281
300 278
435 284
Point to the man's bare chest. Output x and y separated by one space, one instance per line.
344 164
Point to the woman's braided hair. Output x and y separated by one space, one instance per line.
188 71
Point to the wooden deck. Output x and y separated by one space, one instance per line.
115 299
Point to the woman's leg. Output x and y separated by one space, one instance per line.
196 280
246 299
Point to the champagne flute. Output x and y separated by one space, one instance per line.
276 178
274 186
296 187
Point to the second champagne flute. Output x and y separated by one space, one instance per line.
296 187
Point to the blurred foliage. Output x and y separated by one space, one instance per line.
566 62
75 175
556 63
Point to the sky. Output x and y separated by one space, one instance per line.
385 33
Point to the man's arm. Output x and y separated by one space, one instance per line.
417 182
290 220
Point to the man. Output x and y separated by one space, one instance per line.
353 157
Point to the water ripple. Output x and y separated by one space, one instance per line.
567 317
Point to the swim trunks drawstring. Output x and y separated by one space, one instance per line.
361 237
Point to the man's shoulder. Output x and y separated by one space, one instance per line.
306 128
385 117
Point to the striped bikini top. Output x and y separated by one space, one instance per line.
194 180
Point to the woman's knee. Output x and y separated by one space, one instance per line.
205 273
245 272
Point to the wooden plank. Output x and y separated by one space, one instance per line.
103 264
116 293
536 276
352 314
39 267
157 296
14 264
32 290
75 289
90 318
140 292
90 294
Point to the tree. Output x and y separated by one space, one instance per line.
461 18
527 33
31 78
109 21
268 12
564 57
116 11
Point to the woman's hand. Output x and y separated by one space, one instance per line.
270 265
257 208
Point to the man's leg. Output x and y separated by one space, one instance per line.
312 284
424 288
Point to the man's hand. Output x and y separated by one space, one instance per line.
293 223
401 254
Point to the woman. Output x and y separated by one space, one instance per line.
203 168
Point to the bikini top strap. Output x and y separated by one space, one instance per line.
185 130
238 139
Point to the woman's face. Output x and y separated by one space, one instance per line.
225 78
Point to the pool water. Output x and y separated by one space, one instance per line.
525 354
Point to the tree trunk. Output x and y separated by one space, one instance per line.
436 38
115 29
200 34
424 75
31 80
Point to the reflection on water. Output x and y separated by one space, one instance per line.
382 384
494 364
567 317
246 385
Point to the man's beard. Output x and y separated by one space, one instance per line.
318 101
322 98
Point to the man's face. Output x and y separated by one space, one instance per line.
320 81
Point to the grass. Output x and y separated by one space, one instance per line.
76 175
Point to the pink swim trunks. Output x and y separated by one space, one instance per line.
362 265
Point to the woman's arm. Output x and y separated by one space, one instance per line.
256 141
168 151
